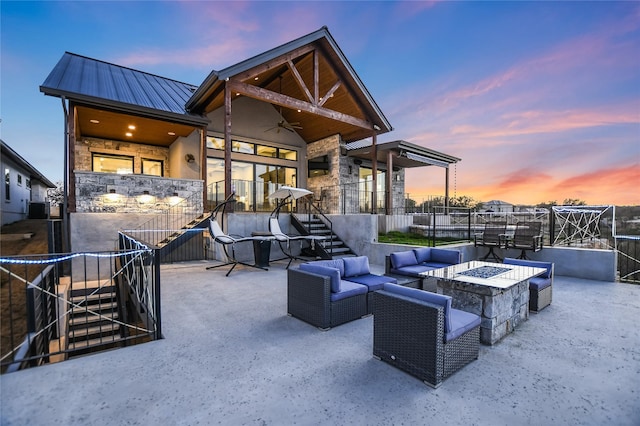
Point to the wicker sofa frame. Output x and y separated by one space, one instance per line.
309 299
409 334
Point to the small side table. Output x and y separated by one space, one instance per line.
407 281
262 249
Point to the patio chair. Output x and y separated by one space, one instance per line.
527 236
418 332
284 240
493 236
218 235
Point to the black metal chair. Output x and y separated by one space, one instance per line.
527 236
493 236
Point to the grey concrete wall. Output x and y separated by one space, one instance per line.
180 168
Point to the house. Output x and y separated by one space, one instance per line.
24 193
497 206
139 143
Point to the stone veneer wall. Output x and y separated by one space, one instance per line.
92 193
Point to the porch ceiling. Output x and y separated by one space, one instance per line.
115 126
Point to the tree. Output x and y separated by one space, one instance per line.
573 202
56 195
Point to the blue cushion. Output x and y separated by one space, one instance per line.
348 289
461 322
403 258
539 283
354 266
450 257
532 263
412 271
332 263
427 296
374 282
422 254
325 271
435 265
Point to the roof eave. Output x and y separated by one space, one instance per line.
189 119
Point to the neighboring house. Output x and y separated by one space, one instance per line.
138 142
24 193
497 206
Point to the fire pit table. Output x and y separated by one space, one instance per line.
498 292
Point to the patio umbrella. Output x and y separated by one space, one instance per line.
283 193
289 191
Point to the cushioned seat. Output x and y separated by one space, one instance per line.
540 287
418 332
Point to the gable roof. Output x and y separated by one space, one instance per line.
296 76
105 85
34 174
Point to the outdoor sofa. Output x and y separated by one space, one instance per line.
540 287
327 293
420 333
416 261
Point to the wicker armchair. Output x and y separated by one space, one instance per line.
309 298
411 334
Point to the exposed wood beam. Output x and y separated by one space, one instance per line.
276 62
316 77
293 103
329 93
300 81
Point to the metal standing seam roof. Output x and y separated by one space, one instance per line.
102 83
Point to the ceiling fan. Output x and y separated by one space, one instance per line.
284 124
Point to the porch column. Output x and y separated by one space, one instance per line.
374 171
388 205
446 190
203 167
227 143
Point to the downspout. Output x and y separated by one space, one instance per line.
65 179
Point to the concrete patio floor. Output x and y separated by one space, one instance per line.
232 356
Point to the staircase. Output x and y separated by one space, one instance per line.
331 248
90 323
172 246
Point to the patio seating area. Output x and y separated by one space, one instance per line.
231 355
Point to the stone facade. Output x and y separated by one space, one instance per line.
344 174
93 193
501 310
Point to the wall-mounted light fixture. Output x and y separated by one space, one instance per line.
112 191
357 161
175 194
145 192
189 158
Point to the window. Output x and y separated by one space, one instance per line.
7 184
28 183
152 167
105 163
287 154
253 149
267 151
19 179
318 166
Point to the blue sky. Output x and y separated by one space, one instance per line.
541 100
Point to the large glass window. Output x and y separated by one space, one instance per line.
112 164
152 167
366 189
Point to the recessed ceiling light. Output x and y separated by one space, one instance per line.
255 78
94 121
299 110
172 133
132 127
129 134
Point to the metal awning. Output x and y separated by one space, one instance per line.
423 159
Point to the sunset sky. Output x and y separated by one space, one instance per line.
540 100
